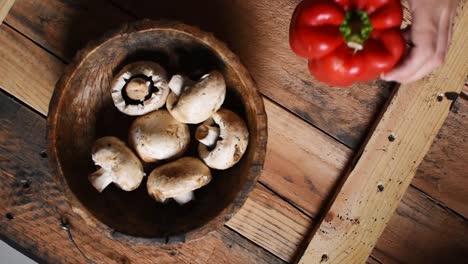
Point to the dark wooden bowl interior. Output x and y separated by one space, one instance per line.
83 110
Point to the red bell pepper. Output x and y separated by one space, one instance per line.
347 41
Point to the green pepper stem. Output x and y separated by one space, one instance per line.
356 29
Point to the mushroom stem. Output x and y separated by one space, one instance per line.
100 179
208 135
176 84
184 198
137 89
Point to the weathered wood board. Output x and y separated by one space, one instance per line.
32 206
301 172
279 73
370 193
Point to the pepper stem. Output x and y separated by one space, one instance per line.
356 28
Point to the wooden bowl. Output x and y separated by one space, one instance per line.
82 110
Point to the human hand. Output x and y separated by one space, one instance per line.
430 34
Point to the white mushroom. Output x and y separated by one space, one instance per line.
223 139
118 164
140 88
193 102
158 136
178 180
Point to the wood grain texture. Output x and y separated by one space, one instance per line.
38 208
275 225
290 165
35 210
255 30
80 22
25 61
442 173
302 163
427 232
307 187
5 6
418 224
356 218
264 234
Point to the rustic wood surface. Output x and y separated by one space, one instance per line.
41 22
32 206
52 34
280 74
368 196
299 171
304 189
443 172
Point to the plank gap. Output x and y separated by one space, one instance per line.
17 100
35 42
291 203
440 204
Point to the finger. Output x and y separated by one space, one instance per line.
441 50
444 37
424 36
427 69
422 52
450 25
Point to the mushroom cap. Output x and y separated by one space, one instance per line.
157 136
148 70
198 100
118 164
177 178
232 141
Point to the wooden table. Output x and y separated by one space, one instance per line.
313 132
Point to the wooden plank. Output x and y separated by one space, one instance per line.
78 21
279 73
25 61
5 6
356 218
276 226
293 166
427 233
442 173
30 214
302 164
